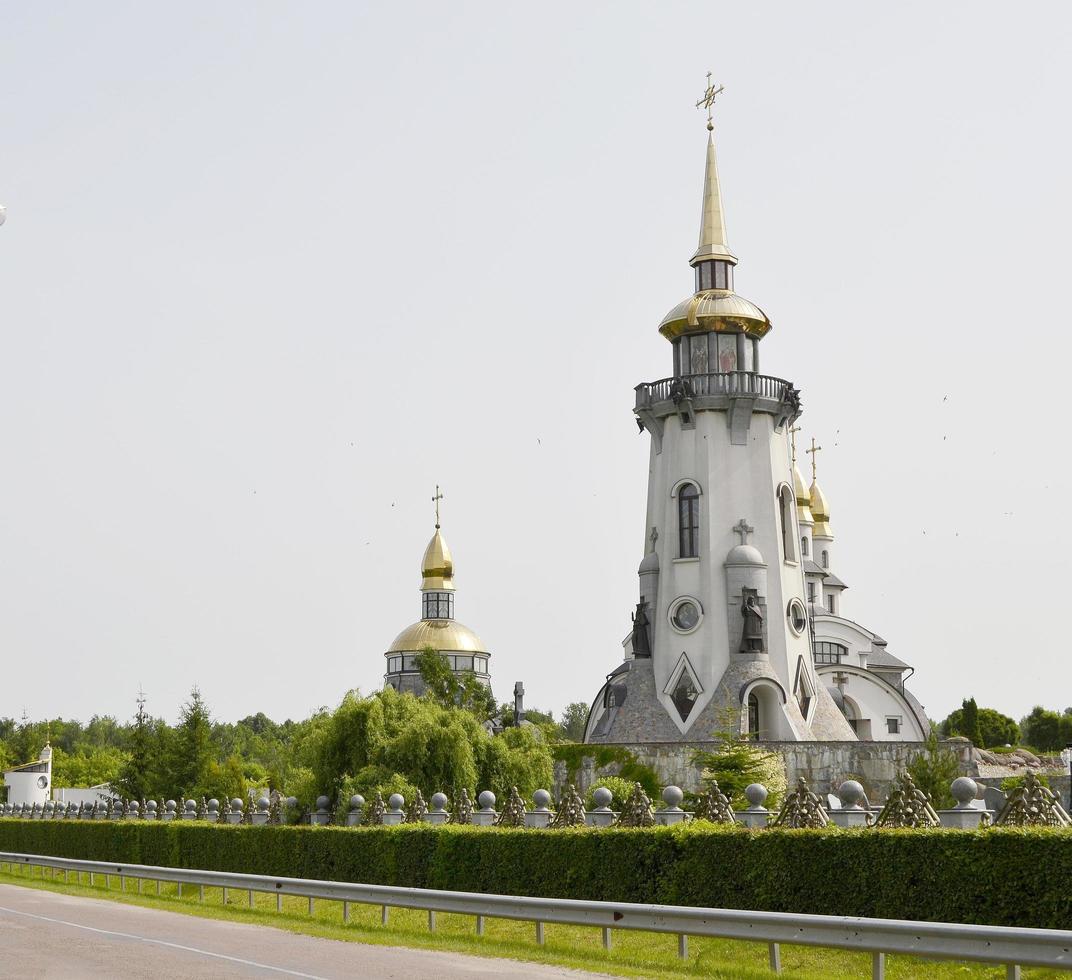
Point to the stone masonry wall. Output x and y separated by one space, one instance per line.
825 765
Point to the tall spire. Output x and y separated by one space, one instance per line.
712 221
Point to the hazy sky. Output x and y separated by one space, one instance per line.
272 271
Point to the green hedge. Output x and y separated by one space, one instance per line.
1005 876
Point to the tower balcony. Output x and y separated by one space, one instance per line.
737 393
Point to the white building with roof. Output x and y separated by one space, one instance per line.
32 781
738 622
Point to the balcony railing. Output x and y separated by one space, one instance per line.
733 384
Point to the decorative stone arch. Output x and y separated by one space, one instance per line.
683 482
770 699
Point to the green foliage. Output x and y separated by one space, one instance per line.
933 770
629 767
1047 730
969 712
448 691
736 762
86 767
135 778
1015 782
621 790
192 751
432 746
995 730
574 719
987 877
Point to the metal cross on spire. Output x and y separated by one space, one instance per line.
435 500
793 438
708 99
140 700
814 449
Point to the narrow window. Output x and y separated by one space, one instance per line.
753 717
826 559
785 501
893 726
830 603
688 520
804 547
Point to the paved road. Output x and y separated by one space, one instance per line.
44 934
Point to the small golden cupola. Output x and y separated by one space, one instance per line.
437 628
437 567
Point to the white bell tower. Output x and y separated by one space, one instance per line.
723 636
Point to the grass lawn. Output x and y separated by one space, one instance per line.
633 954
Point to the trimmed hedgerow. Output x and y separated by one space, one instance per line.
1004 876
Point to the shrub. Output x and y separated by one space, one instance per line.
988 876
621 790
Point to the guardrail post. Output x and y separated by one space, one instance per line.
683 946
383 915
158 886
251 898
345 913
431 920
108 882
1012 971
606 937
225 895
123 883
480 925
539 933
139 885
310 904
878 966
200 893
279 901
774 954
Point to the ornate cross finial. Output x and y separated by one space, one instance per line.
814 449
653 537
435 500
793 439
743 528
708 100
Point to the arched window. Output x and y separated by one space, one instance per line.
826 558
804 546
688 521
785 509
753 717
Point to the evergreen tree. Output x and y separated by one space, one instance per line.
970 722
192 751
135 779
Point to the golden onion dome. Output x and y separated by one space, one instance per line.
802 496
820 510
444 635
437 567
721 310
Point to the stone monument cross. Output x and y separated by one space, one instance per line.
743 528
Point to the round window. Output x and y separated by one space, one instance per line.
42 782
798 618
685 615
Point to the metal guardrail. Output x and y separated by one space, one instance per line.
1013 947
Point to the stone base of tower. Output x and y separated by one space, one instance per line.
628 709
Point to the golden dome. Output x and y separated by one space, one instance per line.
820 510
721 310
803 499
444 635
437 567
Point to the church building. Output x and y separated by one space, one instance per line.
738 625
437 629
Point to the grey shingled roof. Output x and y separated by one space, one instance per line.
832 579
879 656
